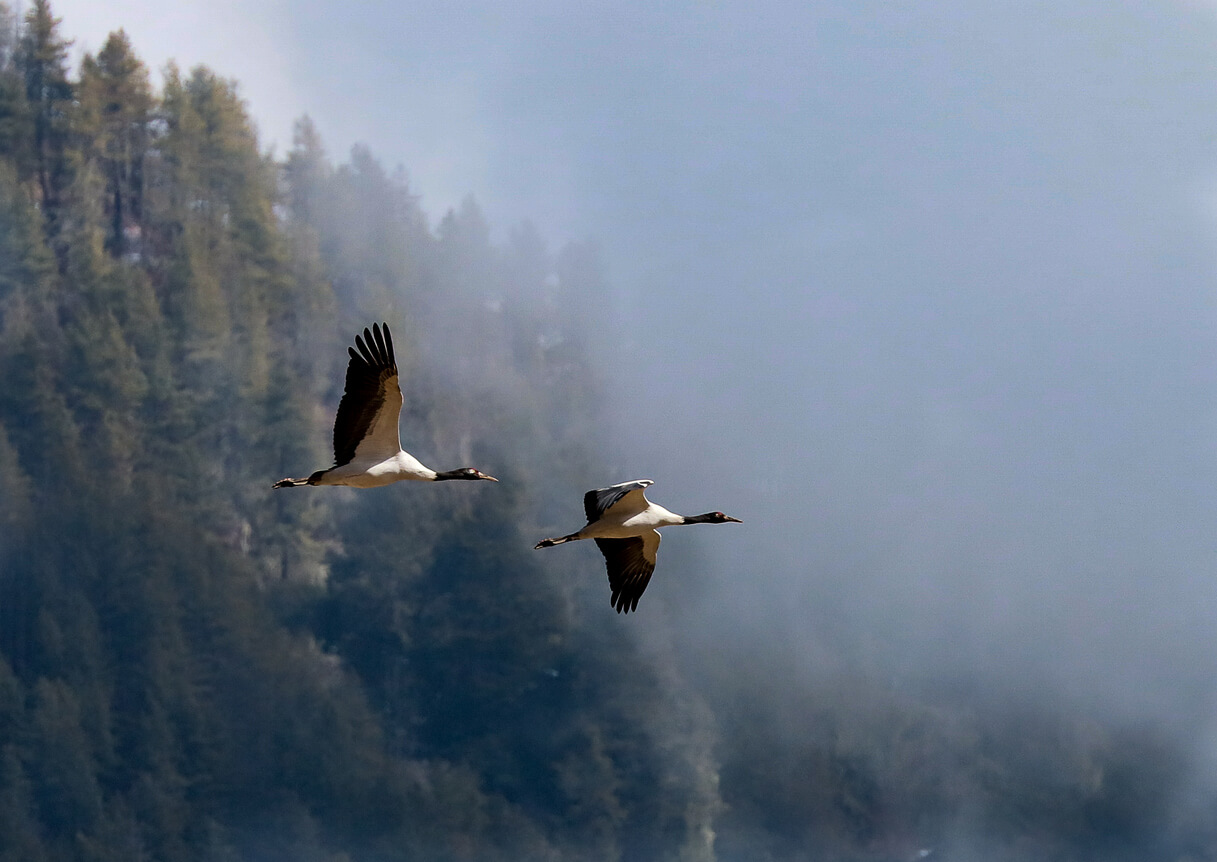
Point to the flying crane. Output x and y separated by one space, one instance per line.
367 447
624 524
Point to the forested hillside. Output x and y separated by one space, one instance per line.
195 667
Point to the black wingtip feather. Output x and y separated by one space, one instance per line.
362 344
622 603
389 345
380 342
375 348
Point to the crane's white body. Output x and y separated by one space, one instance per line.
637 524
632 515
373 472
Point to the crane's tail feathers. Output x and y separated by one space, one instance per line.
549 543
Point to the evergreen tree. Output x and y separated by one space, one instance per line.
114 114
16 119
42 58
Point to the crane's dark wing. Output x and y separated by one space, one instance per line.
366 424
628 497
630 563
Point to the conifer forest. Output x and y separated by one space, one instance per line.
196 667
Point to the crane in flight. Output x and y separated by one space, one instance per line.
367 447
625 525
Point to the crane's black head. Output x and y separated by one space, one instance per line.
464 473
713 518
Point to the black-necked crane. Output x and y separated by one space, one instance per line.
367 448
625 525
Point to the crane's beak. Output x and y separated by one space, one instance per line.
487 478
733 520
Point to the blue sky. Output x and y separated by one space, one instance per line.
923 292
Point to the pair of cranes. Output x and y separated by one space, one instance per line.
368 454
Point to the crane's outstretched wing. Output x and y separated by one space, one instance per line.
630 563
366 424
628 498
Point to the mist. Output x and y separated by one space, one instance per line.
924 296
969 392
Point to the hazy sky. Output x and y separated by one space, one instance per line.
922 291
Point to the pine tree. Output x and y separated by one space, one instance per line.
306 172
42 57
16 130
16 497
114 113
65 788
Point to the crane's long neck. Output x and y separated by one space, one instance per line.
466 473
